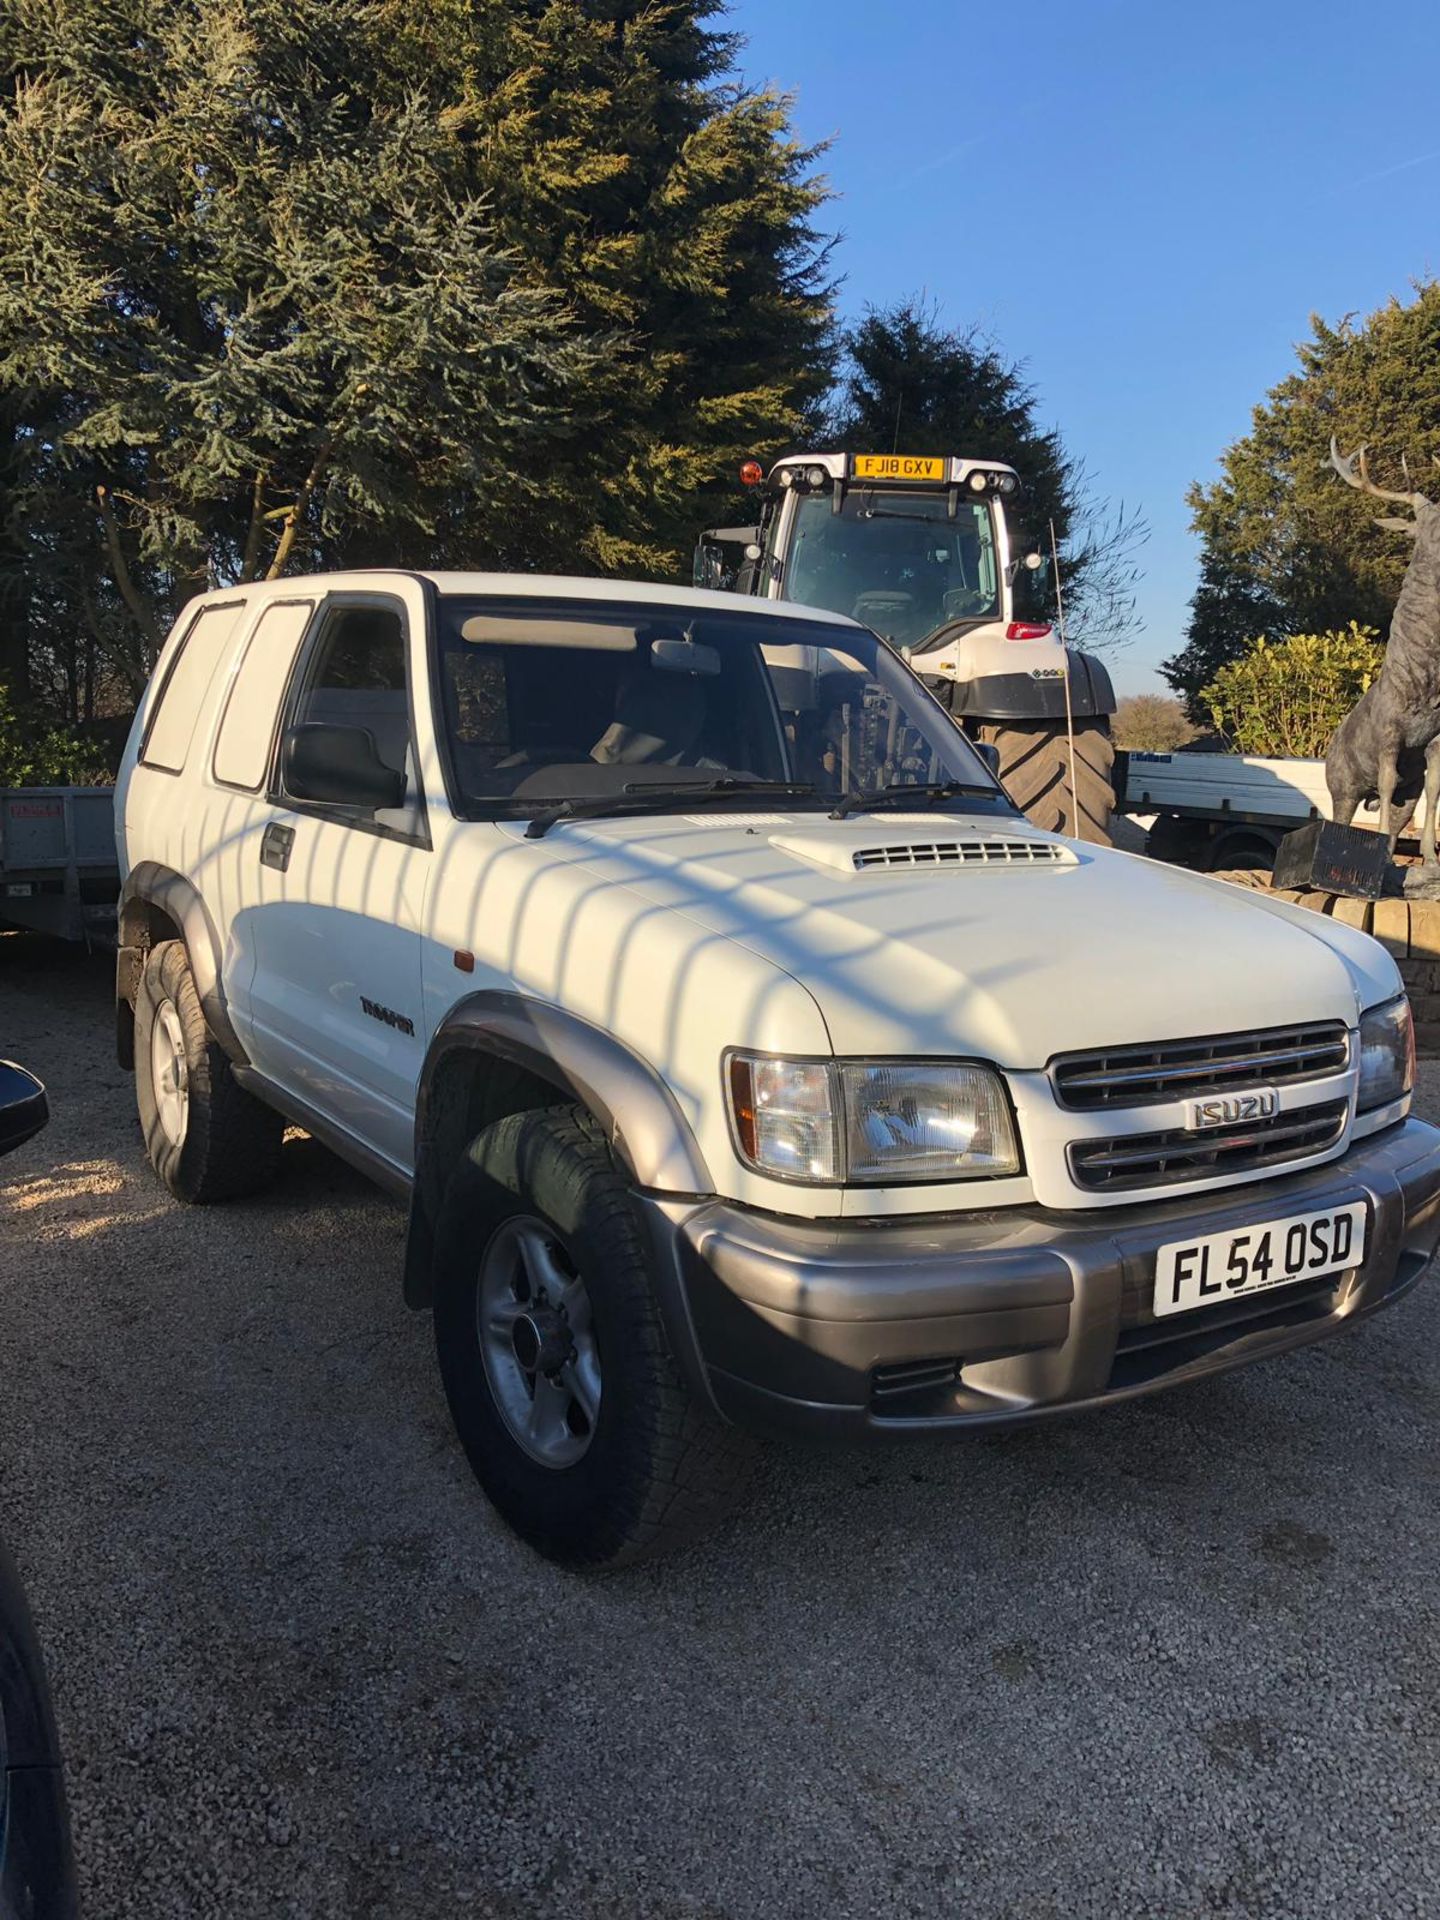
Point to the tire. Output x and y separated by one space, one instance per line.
1035 769
537 1225
1247 858
207 1138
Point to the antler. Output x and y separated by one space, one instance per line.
1361 481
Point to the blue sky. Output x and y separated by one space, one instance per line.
1143 202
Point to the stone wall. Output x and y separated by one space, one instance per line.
1409 928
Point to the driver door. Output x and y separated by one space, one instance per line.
336 1011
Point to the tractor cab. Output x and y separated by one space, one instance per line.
920 549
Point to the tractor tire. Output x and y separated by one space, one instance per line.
1035 770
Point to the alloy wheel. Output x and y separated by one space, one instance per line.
534 1325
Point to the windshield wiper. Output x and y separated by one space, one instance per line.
640 797
901 792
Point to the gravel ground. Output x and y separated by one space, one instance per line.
1177 1659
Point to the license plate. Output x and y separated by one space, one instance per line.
897 466
19 889
1222 1266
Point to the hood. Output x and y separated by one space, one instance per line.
931 933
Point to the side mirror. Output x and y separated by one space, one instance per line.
24 1109
338 766
753 551
989 753
1033 562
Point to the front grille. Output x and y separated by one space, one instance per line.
1176 1069
1159 1159
1157 1347
966 853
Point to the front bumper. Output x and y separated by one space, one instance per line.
987 1319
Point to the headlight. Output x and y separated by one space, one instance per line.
1387 1055
870 1123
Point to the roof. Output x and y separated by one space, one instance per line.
547 586
837 465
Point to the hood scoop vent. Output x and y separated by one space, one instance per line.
846 850
965 853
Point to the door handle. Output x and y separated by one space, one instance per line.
275 845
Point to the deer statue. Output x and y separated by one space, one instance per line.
1389 743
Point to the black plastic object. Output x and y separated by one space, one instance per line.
23 1106
1333 859
338 766
1019 696
37 1863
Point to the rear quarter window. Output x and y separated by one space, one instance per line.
242 748
191 674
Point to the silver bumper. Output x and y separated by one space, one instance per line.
992 1318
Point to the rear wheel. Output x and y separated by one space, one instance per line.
207 1138
1035 767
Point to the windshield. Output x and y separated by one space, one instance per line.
553 700
897 561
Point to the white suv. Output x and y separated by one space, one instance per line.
746 1058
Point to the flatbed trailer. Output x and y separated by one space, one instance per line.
1232 810
59 869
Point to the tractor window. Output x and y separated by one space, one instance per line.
896 561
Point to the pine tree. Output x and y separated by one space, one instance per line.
505 282
1285 547
910 383
671 206
1230 608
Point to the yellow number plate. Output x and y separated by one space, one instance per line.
896 466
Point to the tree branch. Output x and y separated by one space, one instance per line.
291 524
120 569
251 560
134 671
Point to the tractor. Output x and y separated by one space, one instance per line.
919 548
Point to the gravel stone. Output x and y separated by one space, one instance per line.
1178 1658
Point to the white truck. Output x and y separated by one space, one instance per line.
57 861
1217 811
746 1059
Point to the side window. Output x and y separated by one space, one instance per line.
355 677
171 725
242 750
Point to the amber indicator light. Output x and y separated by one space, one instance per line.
742 1099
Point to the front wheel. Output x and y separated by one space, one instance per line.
1035 771
568 1403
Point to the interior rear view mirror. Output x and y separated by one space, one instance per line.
683 656
338 766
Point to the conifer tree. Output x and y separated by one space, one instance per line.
1285 547
290 283
911 383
